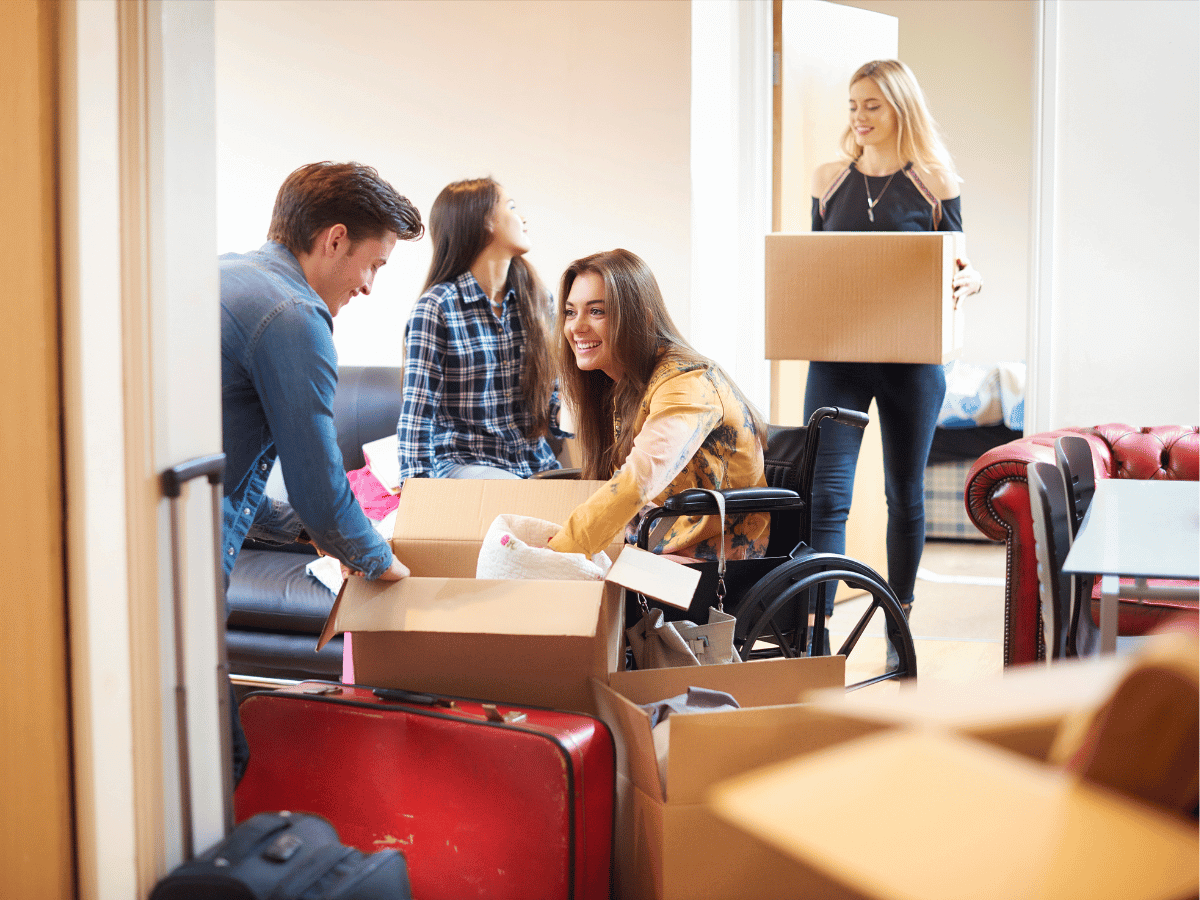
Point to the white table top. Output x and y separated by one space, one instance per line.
1139 528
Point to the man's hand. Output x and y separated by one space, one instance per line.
395 571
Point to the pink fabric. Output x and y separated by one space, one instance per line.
347 659
371 495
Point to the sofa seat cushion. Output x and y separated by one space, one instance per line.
291 656
269 590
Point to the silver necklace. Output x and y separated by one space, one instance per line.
871 203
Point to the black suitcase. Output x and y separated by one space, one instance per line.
276 855
286 855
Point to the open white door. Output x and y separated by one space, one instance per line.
821 46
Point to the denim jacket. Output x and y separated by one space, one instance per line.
278 378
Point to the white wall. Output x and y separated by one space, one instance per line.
1126 252
581 110
731 111
975 63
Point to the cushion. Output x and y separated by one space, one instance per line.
269 590
292 656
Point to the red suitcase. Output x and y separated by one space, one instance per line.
483 800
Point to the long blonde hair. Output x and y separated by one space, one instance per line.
918 138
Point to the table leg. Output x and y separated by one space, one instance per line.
1110 590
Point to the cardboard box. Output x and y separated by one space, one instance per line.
1022 710
523 642
668 843
908 814
862 297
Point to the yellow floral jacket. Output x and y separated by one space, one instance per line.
692 431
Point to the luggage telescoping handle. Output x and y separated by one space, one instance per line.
173 480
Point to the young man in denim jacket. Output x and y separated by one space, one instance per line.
333 227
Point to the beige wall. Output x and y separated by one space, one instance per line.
580 109
975 62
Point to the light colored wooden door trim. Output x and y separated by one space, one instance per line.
36 851
140 319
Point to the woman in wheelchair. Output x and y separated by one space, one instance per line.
652 416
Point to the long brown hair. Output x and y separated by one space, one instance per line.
458 226
641 334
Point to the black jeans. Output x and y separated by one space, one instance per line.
909 398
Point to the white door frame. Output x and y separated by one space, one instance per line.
141 393
1039 389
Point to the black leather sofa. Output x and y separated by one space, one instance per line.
276 608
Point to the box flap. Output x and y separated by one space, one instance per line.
467 606
766 686
707 748
1020 694
441 522
764 682
972 815
631 730
657 577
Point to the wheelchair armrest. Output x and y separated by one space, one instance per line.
572 473
850 417
695 502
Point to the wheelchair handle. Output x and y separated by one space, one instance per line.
696 502
850 417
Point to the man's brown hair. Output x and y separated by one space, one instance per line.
322 194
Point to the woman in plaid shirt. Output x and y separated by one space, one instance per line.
479 391
653 411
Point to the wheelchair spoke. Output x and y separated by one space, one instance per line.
788 592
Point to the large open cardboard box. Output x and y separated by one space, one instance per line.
990 790
532 643
921 814
668 843
1022 710
862 297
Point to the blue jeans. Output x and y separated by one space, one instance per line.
479 470
909 398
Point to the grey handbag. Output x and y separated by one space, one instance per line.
658 644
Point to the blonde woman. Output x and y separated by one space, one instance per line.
896 175
652 416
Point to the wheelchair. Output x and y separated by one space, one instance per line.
773 597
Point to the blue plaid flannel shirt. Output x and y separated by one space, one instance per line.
462 400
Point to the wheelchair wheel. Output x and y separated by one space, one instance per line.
775 612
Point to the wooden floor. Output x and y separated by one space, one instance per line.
957 619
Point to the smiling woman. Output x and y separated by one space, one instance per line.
654 417
897 176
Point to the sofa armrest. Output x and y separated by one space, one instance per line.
1000 472
997 501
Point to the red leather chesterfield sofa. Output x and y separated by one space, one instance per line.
997 500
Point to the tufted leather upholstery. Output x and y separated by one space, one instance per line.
997 500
